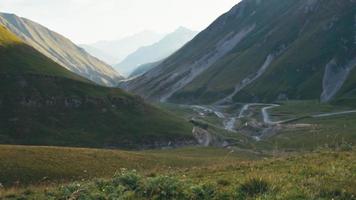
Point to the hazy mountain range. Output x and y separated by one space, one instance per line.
114 51
263 51
60 49
157 51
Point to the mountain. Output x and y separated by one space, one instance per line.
60 49
42 103
141 69
119 49
263 51
155 52
99 54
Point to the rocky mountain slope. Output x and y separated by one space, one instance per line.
121 48
155 52
141 69
60 49
99 54
42 103
262 51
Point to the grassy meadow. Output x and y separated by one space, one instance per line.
197 174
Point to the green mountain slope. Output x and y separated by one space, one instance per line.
263 50
60 49
42 103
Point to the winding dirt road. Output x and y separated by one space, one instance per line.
230 120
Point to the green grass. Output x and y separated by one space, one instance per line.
335 132
106 117
7 38
309 133
19 58
321 175
296 109
30 165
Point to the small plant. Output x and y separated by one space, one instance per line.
202 192
164 187
74 191
253 187
129 179
337 194
223 182
344 146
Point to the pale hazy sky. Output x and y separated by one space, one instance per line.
87 21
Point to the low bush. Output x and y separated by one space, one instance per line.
337 195
163 187
128 179
202 192
253 187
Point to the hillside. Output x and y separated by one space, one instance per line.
60 49
157 51
42 103
263 51
141 69
121 48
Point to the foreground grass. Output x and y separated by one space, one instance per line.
320 175
28 165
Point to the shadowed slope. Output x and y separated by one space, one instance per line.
44 104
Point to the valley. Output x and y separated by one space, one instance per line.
260 104
242 137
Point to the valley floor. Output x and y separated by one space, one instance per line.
293 150
286 126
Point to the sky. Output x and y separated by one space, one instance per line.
89 21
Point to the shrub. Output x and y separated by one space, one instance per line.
346 146
75 191
129 179
202 192
253 187
337 194
164 188
223 182
67 191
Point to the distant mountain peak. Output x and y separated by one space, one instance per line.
114 51
183 29
157 51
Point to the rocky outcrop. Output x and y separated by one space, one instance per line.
203 137
334 78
